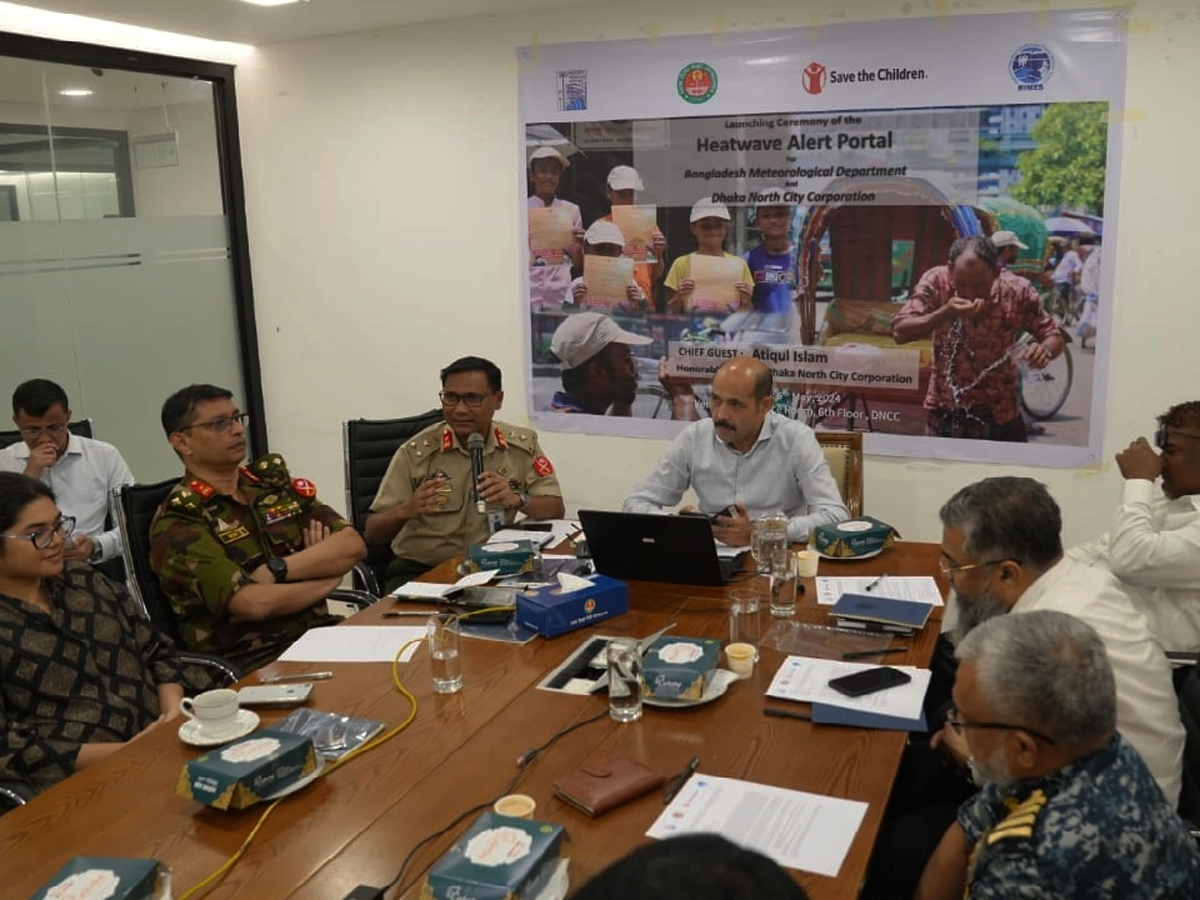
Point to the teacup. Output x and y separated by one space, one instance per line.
516 806
807 562
741 659
213 711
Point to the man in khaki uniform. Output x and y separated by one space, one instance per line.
426 502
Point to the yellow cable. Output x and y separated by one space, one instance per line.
221 870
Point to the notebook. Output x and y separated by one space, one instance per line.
648 547
875 613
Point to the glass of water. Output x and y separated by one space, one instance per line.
624 680
443 634
769 542
743 617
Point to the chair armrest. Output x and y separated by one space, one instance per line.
211 661
14 793
1182 656
361 599
366 579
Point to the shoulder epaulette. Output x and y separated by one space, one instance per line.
269 469
184 501
1018 824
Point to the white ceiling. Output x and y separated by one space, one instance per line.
231 20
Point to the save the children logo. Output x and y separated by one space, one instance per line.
1031 67
697 82
813 78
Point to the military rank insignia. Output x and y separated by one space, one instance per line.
304 488
201 489
543 466
447 440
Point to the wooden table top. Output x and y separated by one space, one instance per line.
356 825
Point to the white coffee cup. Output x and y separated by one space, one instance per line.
516 806
213 711
807 562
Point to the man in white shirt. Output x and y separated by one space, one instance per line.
1153 545
746 460
1089 283
81 471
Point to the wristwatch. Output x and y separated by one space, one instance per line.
97 552
278 567
524 500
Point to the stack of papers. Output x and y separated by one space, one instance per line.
558 530
804 679
421 590
919 588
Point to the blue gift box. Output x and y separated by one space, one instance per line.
550 610
497 858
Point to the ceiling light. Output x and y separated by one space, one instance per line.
75 92
273 2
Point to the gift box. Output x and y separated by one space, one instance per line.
108 877
241 774
678 668
551 610
497 858
863 536
510 557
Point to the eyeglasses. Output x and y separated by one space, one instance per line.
222 425
948 568
958 725
36 431
1165 433
44 537
451 399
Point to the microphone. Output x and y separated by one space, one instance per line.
475 446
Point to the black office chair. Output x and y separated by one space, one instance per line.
83 428
1189 712
368 446
135 506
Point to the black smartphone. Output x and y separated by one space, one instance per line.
727 511
868 681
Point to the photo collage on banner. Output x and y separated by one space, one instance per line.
796 196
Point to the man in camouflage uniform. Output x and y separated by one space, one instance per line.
1068 809
246 554
426 503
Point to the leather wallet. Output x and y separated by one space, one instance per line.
595 788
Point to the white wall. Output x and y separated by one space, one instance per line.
381 173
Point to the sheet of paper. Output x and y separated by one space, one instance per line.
725 551
806 679
637 224
798 830
550 233
716 280
607 281
355 643
539 538
432 591
921 588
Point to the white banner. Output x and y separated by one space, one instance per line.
837 168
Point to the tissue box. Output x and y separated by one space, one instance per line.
240 774
863 536
677 668
510 557
497 858
549 611
108 877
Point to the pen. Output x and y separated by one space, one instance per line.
785 713
299 676
864 654
396 613
681 779
874 584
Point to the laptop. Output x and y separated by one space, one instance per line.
649 547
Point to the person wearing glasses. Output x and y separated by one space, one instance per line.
1153 545
81 669
81 471
426 503
247 554
1002 555
1067 807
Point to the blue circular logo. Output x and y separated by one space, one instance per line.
1031 64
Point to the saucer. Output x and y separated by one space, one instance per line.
850 558
299 783
192 732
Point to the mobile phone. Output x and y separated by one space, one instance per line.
730 511
868 681
274 694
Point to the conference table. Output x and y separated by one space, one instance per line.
358 823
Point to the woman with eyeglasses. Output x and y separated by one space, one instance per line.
82 671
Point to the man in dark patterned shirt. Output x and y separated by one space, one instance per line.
246 554
81 669
1068 810
975 313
